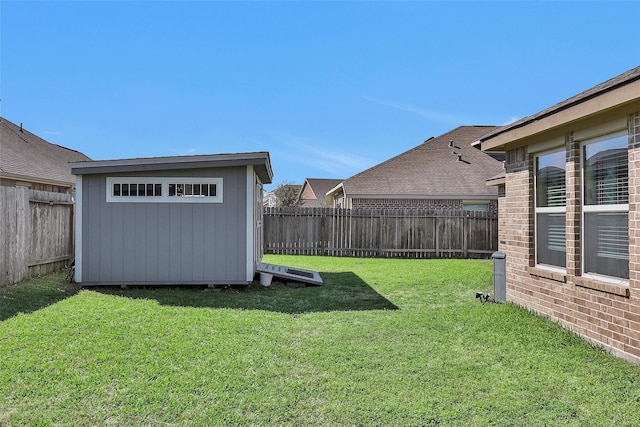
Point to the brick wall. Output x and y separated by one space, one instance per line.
406 203
414 204
573 192
515 228
607 314
633 314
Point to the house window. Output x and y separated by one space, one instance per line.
475 207
605 207
550 209
164 190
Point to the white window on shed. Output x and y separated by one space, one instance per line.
163 190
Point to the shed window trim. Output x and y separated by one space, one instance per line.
135 189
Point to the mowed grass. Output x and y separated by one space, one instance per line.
382 343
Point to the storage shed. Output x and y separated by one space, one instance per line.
188 220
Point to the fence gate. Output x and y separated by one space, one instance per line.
36 232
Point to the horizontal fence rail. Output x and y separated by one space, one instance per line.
402 233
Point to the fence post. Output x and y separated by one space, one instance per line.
379 218
436 233
465 231
23 220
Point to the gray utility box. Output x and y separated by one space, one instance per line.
499 276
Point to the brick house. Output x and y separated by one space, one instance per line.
446 172
569 221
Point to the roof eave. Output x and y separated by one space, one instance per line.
336 188
496 181
619 97
26 178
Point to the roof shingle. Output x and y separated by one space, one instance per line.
432 170
26 156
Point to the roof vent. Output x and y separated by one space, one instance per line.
451 143
459 157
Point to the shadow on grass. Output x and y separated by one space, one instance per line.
34 294
342 291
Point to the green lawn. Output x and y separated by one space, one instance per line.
384 342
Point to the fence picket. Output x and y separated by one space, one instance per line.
409 233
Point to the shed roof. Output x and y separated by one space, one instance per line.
260 161
431 170
27 157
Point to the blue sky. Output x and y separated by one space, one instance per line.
328 88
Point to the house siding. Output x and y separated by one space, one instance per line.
308 198
605 313
164 243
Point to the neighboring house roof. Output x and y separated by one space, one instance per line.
259 160
431 170
314 190
620 90
27 157
295 187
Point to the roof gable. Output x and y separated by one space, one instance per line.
318 187
314 191
431 169
25 156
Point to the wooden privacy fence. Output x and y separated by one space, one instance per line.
36 232
407 233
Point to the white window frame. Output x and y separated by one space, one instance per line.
612 208
546 209
164 181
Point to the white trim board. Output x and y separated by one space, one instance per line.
78 224
250 262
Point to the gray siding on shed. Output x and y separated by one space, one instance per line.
165 243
